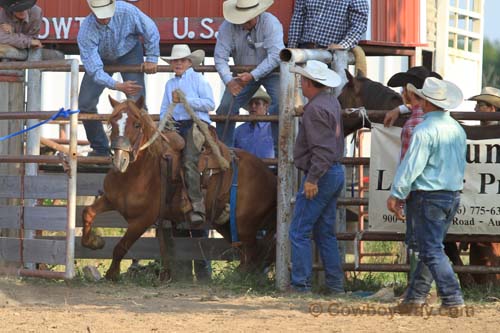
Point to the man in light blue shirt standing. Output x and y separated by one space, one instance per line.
200 98
256 137
430 177
252 37
110 35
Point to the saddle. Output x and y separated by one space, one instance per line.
175 200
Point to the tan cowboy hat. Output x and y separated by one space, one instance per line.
441 93
242 11
102 9
318 71
489 95
259 94
181 51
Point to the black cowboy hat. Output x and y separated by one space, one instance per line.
16 5
415 75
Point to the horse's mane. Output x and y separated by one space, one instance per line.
149 128
376 96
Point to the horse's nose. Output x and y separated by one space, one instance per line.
121 160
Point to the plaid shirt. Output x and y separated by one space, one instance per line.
324 22
109 42
417 116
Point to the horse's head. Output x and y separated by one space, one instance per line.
350 96
131 128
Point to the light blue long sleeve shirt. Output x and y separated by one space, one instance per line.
435 159
262 48
109 42
198 93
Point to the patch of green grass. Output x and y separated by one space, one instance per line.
484 293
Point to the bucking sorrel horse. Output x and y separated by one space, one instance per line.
360 91
134 188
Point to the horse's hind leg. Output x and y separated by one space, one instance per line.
134 231
89 238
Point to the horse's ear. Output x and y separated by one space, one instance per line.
113 101
360 74
349 77
140 103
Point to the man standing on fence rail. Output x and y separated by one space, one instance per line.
252 37
324 24
319 148
431 177
110 35
20 22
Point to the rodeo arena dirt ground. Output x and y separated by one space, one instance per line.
47 306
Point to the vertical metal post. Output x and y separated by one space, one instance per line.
339 64
285 174
33 137
70 230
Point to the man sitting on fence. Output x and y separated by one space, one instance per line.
252 37
20 22
111 36
487 101
431 177
256 137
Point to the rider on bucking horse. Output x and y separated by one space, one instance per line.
199 96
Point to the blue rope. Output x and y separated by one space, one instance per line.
232 203
61 113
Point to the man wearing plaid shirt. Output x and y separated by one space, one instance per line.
321 23
110 35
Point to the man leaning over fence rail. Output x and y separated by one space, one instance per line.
20 22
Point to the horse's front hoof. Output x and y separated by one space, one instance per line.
94 242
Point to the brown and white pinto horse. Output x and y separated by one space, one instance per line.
134 188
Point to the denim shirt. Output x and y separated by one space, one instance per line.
260 46
435 159
256 138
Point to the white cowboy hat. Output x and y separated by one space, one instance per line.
102 9
441 93
318 71
242 11
181 51
489 95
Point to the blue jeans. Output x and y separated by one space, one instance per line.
225 130
90 91
433 212
316 218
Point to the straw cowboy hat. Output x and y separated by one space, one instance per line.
259 94
16 5
241 11
102 9
441 93
181 51
415 75
489 95
319 72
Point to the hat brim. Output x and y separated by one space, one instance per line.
104 12
19 7
196 57
453 100
490 99
240 16
331 80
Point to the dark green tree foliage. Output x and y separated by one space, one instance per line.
491 63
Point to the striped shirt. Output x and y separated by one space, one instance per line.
98 43
198 93
435 160
324 22
261 47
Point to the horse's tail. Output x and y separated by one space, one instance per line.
360 60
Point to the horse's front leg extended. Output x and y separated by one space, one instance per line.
89 238
135 230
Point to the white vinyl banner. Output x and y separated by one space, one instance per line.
479 211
